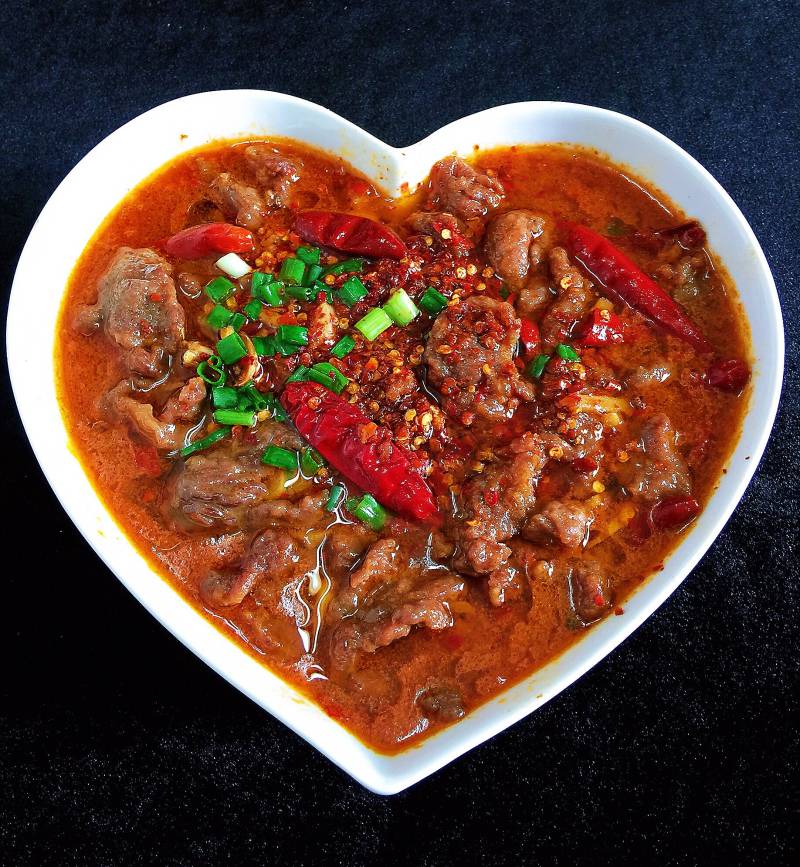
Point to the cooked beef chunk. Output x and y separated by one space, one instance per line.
585 582
274 173
566 522
190 285
459 189
432 223
516 242
443 703
274 556
237 200
167 430
391 612
344 545
494 505
573 297
221 487
470 358
533 298
661 471
400 383
378 564
138 310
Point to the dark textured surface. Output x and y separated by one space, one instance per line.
117 746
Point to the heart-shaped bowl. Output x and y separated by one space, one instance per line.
105 175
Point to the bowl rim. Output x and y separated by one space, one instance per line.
387 774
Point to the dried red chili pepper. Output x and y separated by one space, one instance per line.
378 466
617 273
600 328
674 512
208 239
728 375
349 233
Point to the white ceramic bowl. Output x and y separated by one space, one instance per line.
105 175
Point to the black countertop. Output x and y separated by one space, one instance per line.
118 746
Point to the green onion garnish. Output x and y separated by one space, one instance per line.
370 511
299 374
284 459
334 498
211 371
400 308
566 352
536 368
329 376
251 397
311 462
237 321
432 302
346 267
301 293
342 347
224 397
219 317
204 443
292 270
352 291
312 273
374 323
219 289
296 335
252 309
231 348
234 416
309 255
266 289
265 346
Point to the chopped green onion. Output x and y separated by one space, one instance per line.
204 443
329 376
265 346
284 459
309 255
266 289
224 397
233 265
274 406
616 228
285 349
219 316
299 374
237 321
432 302
297 335
346 267
352 291
400 308
374 323
536 368
211 371
334 498
292 270
312 273
301 293
252 309
343 346
231 348
234 416
251 398
370 511
219 289
566 352
311 462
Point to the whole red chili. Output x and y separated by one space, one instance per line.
600 328
349 233
378 465
674 512
208 239
728 375
617 273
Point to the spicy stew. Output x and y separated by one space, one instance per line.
405 451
